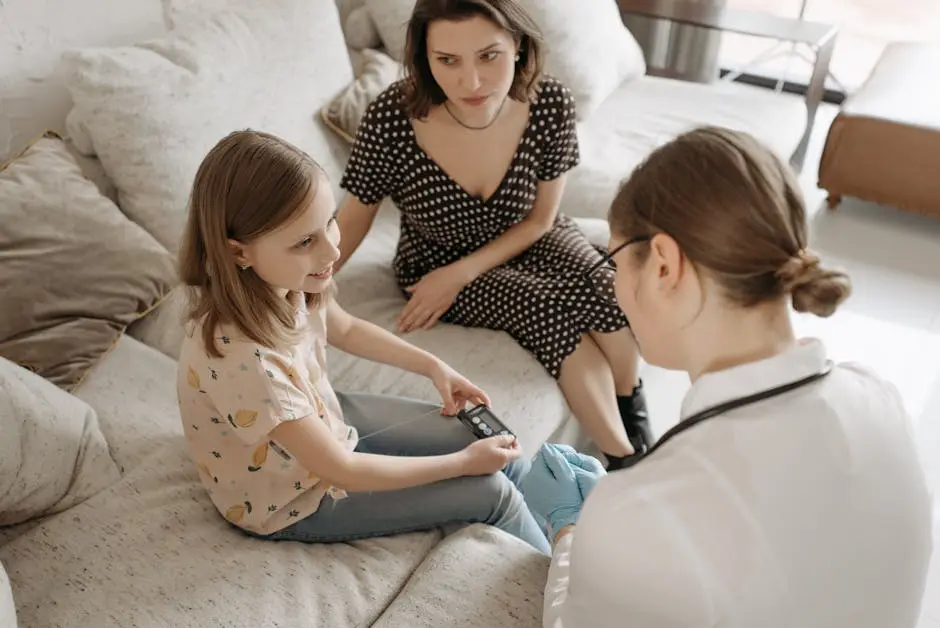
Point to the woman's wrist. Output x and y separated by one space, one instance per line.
562 533
466 268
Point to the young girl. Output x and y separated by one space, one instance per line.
271 438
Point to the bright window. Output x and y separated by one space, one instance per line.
866 26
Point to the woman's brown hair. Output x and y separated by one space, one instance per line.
419 89
248 185
737 212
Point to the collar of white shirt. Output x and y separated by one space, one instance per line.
806 357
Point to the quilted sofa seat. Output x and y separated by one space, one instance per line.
643 114
151 551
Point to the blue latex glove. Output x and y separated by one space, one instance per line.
588 470
551 488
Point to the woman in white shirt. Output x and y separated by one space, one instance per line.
807 507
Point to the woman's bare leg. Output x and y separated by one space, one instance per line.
587 381
623 356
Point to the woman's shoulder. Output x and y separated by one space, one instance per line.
554 97
388 104
384 118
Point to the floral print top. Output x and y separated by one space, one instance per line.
230 405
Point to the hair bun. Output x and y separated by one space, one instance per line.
797 268
813 288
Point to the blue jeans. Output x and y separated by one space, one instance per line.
395 426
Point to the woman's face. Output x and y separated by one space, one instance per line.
656 295
473 62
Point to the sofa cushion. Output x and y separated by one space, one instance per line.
52 452
152 111
644 114
591 67
75 271
477 578
152 551
7 607
344 112
133 393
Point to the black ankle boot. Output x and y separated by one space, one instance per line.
635 419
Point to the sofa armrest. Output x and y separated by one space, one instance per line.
479 577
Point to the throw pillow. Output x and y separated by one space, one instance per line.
52 454
7 607
360 30
344 113
391 19
587 47
74 271
152 111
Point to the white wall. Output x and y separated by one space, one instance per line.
33 33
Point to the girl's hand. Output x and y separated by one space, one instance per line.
490 455
456 390
431 298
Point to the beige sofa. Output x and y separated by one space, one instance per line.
146 548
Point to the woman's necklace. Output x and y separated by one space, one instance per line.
477 128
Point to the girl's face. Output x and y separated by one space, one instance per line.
298 255
473 62
661 298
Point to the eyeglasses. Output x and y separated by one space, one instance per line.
601 275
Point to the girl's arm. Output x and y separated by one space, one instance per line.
354 219
520 236
317 450
363 339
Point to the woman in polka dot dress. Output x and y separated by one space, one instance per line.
473 146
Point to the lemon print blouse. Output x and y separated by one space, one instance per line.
230 405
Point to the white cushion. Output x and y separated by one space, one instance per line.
360 30
52 452
479 577
592 67
7 607
152 111
133 392
391 19
587 47
644 114
152 551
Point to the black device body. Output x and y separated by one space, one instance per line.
483 423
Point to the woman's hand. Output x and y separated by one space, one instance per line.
432 297
553 488
587 470
455 389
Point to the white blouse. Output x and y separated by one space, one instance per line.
810 509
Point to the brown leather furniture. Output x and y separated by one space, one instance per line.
884 146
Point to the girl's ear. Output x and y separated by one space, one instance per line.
237 250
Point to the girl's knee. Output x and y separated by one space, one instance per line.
504 495
517 470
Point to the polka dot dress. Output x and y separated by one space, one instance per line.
539 297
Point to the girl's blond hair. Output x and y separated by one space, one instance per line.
248 185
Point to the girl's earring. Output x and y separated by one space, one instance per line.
517 58
243 266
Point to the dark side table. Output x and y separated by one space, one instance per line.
821 38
